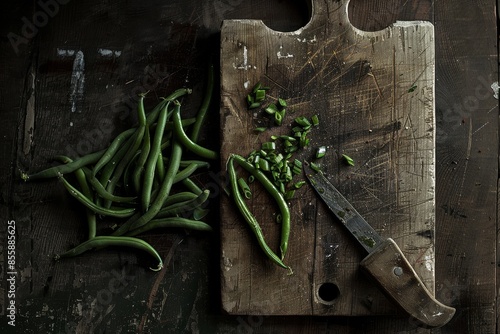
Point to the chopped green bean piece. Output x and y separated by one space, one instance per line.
348 159
260 129
255 88
260 95
244 188
254 105
299 184
269 146
320 153
271 109
315 167
282 102
289 194
315 120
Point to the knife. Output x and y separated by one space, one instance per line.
385 262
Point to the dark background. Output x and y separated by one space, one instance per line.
133 46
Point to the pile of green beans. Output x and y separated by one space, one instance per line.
141 179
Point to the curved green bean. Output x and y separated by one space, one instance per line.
179 197
276 194
82 181
153 115
66 168
186 141
193 187
150 166
191 224
183 207
111 150
249 217
122 213
102 192
139 168
200 117
106 241
186 172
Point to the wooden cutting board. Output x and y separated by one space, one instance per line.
374 94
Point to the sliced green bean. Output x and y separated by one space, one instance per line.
112 149
106 241
200 117
276 194
186 141
122 213
171 222
244 187
249 217
65 169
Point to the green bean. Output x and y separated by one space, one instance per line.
160 167
193 187
186 163
244 188
112 149
108 170
127 174
165 187
175 95
123 213
186 172
101 191
139 168
149 168
183 207
80 177
249 217
278 197
179 197
191 224
105 241
64 169
186 141
200 117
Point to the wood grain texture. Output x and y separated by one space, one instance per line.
374 93
165 45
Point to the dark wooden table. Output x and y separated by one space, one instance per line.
70 73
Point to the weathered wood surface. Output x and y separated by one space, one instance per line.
374 94
76 296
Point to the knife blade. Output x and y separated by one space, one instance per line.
385 263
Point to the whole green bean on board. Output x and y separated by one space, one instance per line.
276 194
249 217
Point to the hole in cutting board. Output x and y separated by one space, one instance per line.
277 15
327 293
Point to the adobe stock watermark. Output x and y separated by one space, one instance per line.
31 26
455 116
98 304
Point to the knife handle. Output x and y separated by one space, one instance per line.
392 271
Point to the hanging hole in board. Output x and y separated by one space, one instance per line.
327 293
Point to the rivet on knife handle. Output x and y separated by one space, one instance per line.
396 277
